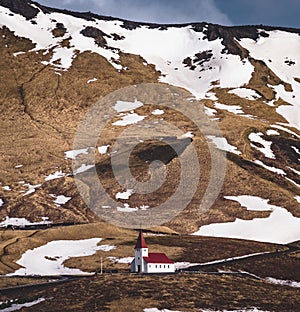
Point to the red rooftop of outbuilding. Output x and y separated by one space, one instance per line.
157 257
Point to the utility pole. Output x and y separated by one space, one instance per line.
101 267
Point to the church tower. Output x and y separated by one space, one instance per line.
140 251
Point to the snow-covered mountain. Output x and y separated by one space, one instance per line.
55 64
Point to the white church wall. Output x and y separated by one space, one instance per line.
160 268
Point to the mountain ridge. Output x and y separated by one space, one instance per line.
50 66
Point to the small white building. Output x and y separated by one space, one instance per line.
147 262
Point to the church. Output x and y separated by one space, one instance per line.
148 262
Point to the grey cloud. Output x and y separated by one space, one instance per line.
267 12
157 11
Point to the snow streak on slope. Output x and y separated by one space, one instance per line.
280 51
222 144
248 94
22 222
272 169
280 227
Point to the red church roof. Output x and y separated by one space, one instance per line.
140 241
157 258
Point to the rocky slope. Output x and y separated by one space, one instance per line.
56 64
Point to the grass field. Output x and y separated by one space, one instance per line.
183 292
130 292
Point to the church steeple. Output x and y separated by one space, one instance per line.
140 251
141 243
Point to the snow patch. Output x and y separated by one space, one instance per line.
211 96
83 168
184 265
245 93
60 199
295 171
272 132
19 306
92 80
252 203
280 227
18 53
144 207
122 106
72 154
124 260
23 222
289 112
62 58
235 109
106 247
56 175
129 119
292 181
124 195
187 135
158 112
210 112
103 149
282 282
272 169
222 144
31 188
127 208
49 258
286 130
266 145
296 149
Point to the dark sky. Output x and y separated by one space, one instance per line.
225 12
